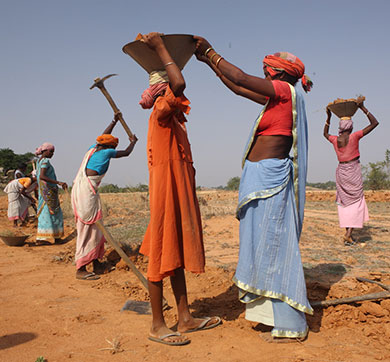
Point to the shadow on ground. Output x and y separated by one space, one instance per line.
225 305
14 339
319 280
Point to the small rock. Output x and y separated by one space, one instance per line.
373 309
385 304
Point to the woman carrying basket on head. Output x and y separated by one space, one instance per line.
173 240
269 273
351 205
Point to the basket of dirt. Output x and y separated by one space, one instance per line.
13 240
344 107
181 47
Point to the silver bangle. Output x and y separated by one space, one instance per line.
169 63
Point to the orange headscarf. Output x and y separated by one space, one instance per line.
289 63
108 140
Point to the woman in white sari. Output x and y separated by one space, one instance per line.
19 200
86 200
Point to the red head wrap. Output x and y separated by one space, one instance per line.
108 140
289 63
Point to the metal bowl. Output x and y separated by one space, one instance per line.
180 47
344 109
14 240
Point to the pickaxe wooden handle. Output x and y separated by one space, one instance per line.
359 298
124 256
99 83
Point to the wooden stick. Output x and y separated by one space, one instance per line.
384 286
359 298
124 256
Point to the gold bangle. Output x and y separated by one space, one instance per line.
211 58
208 50
217 62
169 63
328 124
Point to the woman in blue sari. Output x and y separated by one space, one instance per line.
50 219
269 273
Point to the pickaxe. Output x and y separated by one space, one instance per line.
99 83
127 260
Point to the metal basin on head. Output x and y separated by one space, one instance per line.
180 47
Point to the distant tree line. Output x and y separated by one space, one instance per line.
111 188
9 160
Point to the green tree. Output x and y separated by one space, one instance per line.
233 183
377 174
9 160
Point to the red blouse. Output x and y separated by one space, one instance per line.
277 118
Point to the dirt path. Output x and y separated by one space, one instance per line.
46 312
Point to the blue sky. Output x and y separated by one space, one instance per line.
52 50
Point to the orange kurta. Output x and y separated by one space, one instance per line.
174 236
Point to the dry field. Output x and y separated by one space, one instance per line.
47 312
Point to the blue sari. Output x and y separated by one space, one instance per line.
50 219
270 210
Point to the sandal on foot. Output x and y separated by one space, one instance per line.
89 276
349 241
203 325
164 339
267 337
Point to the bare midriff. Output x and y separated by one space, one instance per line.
90 172
270 147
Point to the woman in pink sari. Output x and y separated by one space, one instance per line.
86 200
352 207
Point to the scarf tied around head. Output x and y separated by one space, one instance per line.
345 124
44 147
107 140
289 63
158 81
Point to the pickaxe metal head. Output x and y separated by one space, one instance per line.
99 82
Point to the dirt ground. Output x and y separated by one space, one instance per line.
46 312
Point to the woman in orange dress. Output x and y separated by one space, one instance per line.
173 240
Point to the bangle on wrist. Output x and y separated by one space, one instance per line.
208 50
169 63
217 62
212 57
327 123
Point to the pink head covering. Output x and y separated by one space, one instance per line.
44 147
345 125
149 95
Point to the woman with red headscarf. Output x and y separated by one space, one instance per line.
86 200
351 205
269 272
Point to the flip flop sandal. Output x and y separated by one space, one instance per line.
162 339
203 325
267 337
89 276
349 241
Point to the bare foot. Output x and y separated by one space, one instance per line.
198 324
